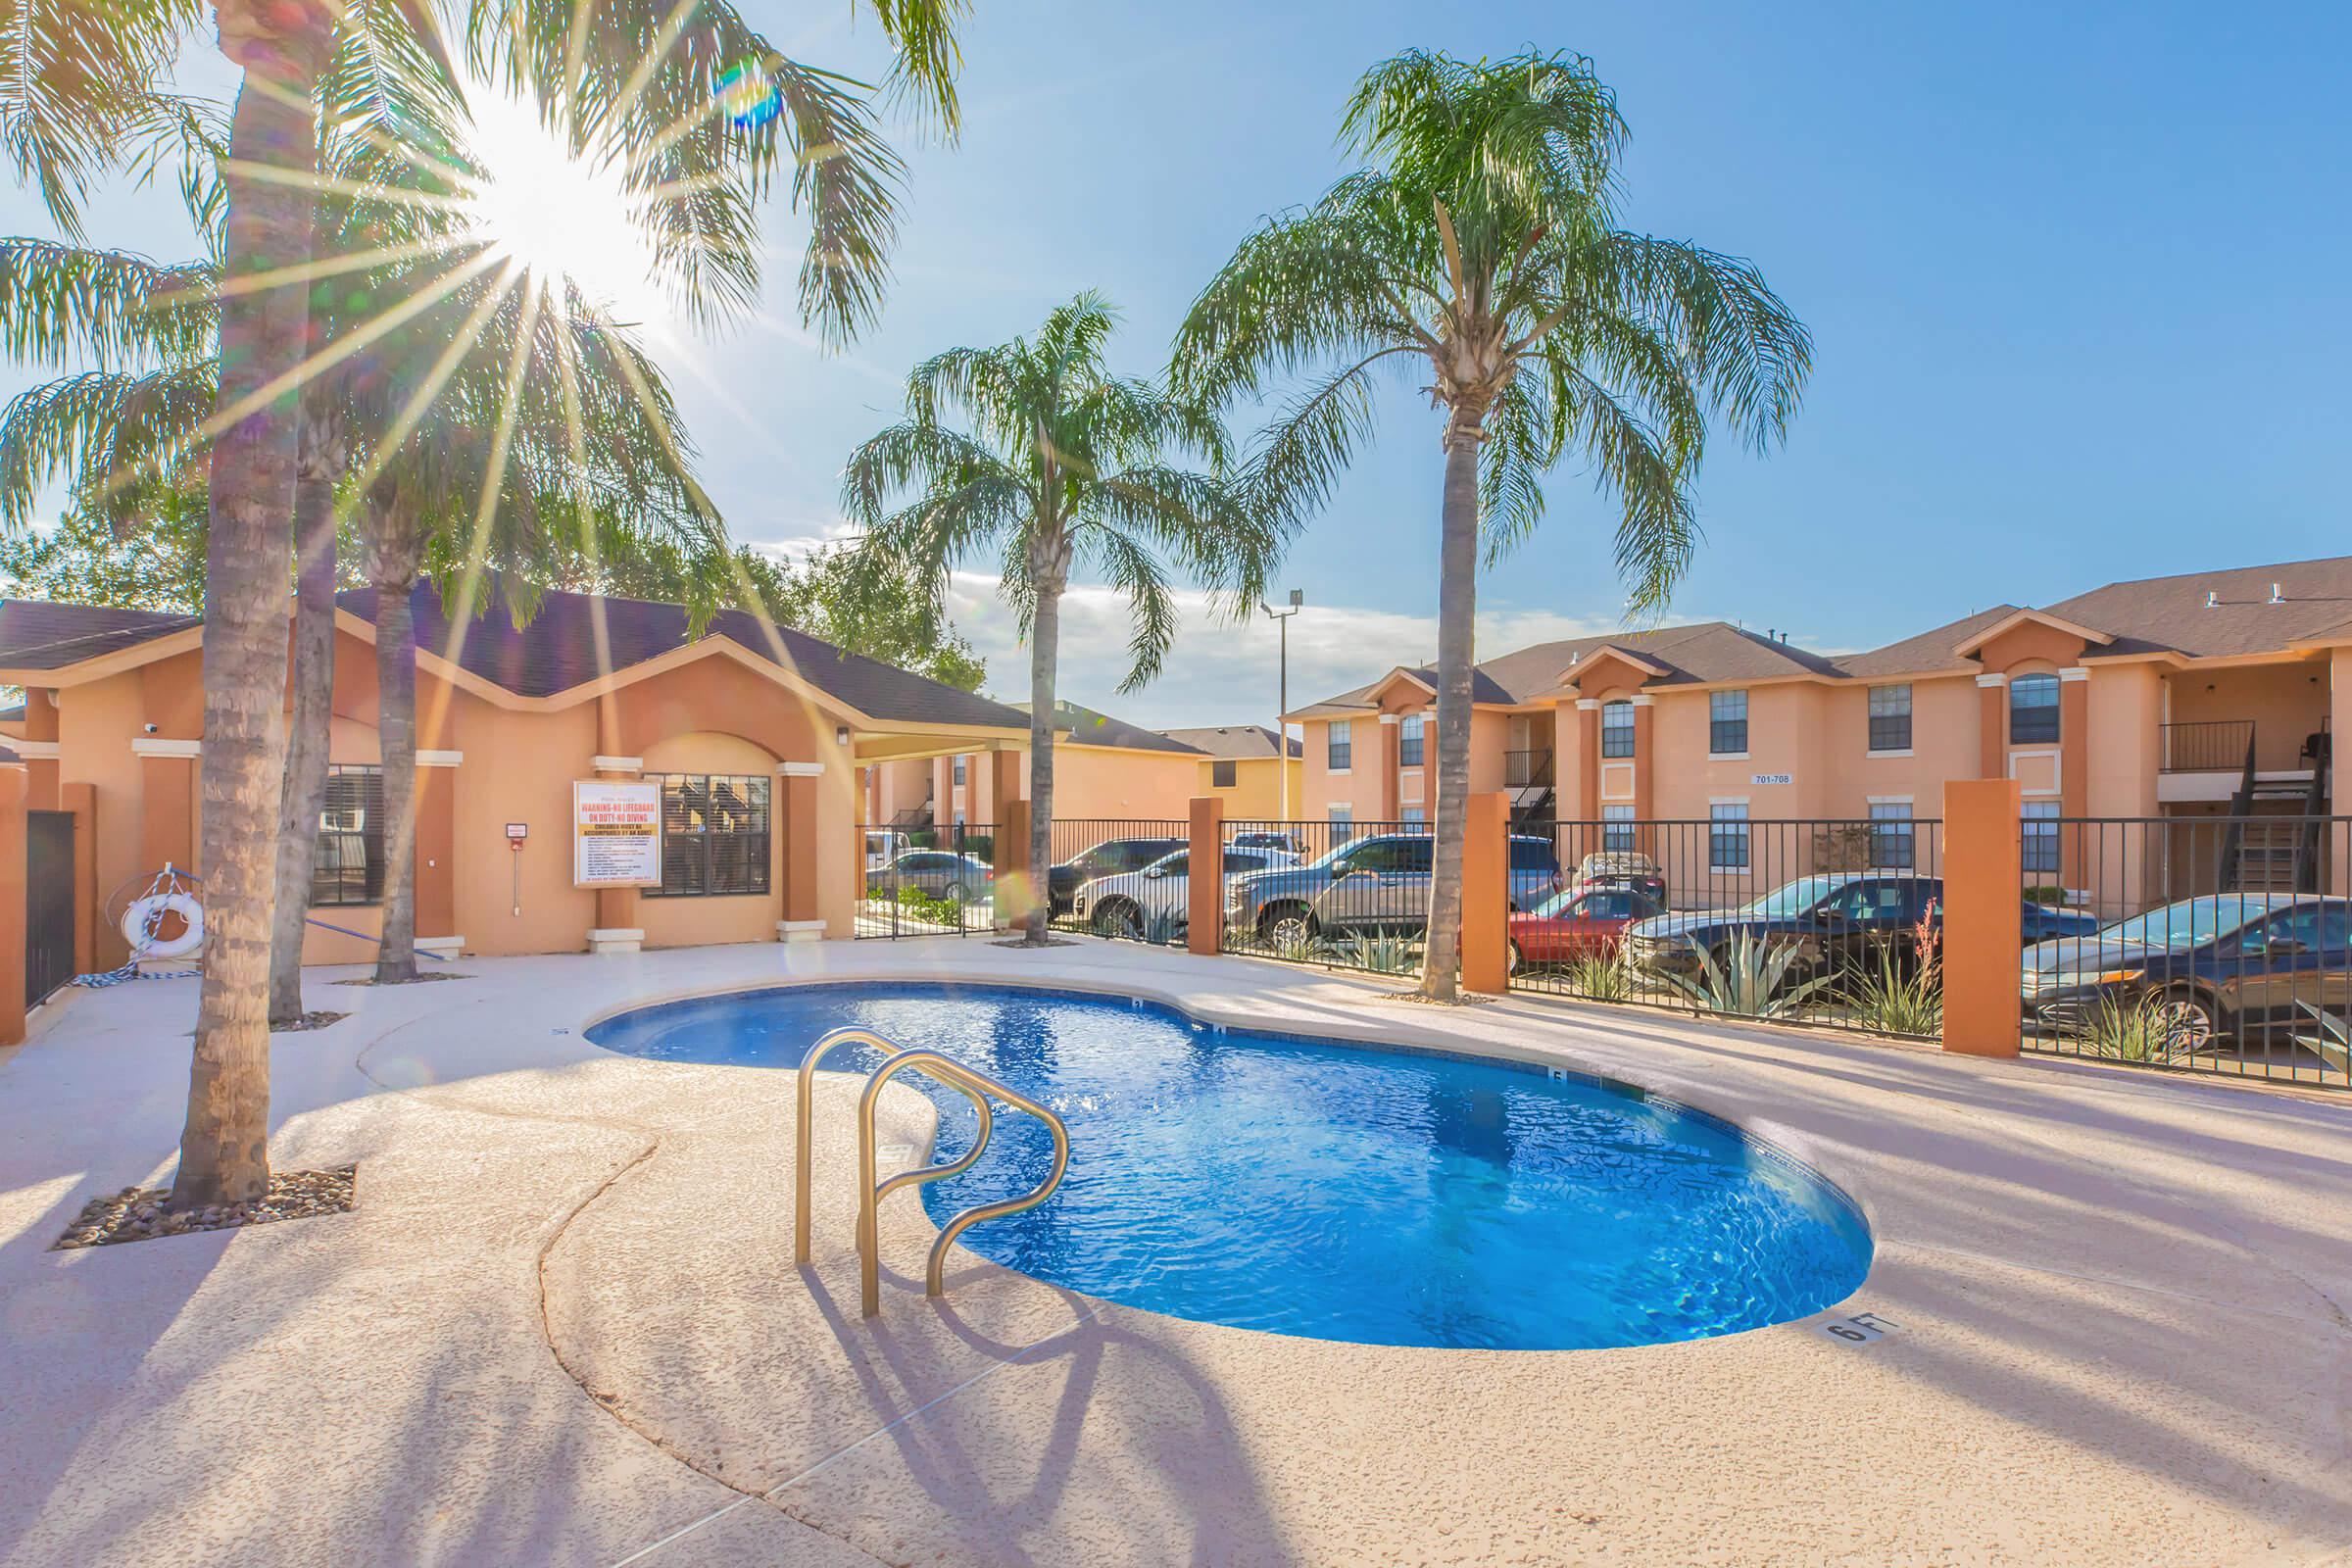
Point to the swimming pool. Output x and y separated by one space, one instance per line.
1380 1195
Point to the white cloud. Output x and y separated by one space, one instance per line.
1220 673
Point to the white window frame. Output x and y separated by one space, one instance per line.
1910 716
1745 835
1335 729
1610 819
1714 718
1909 816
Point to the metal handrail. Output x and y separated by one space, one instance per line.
946 1069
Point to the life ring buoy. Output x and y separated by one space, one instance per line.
145 918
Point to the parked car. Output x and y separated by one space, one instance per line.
1569 925
1620 869
1835 919
1111 858
2215 965
1370 884
942 874
882 845
1127 905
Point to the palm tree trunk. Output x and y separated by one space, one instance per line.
224 1147
1457 617
307 738
1044 637
396 733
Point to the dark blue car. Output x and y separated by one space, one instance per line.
1836 919
2217 966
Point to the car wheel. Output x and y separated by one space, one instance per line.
1292 927
2188 1020
1116 918
954 893
1511 957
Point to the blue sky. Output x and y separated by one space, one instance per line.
2076 277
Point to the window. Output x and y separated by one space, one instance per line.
1891 718
960 771
1532 855
1393 856
1727 836
2032 709
1617 729
1341 754
714 834
2041 837
1617 829
1221 774
1341 819
1893 842
1412 814
349 866
1409 741
1726 723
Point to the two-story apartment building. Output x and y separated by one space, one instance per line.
2164 698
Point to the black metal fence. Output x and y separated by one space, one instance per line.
1833 922
1345 895
927 882
1112 876
2217 944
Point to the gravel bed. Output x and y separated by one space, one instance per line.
138 1214
315 1018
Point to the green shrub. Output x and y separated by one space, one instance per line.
1379 954
1884 997
1751 981
1606 975
930 907
2138 1030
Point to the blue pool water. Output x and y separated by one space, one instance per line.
1385 1196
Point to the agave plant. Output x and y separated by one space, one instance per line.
1295 946
1380 953
1751 980
1603 974
1898 999
2144 1029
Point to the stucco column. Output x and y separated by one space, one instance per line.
2339 727
2073 767
1485 894
797 826
1645 767
39 749
14 787
1984 915
1015 892
168 802
1993 726
615 907
81 800
1391 739
1588 751
1204 879
1005 776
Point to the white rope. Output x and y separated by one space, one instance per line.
169 886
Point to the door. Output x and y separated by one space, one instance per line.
48 904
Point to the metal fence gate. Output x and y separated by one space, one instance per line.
928 881
48 902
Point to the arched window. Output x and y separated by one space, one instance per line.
1617 728
2033 710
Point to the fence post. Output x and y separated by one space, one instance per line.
1984 915
1204 878
14 785
1015 890
1485 894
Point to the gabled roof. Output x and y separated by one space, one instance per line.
1234 741
558 651
1926 653
2169 614
1090 728
2092 636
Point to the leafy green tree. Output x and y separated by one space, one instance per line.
1479 252
1058 463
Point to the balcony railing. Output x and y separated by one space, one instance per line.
1523 769
2213 746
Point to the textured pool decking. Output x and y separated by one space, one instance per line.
563 1325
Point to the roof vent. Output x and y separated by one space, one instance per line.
2277 598
2213 599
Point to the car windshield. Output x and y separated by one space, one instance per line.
1336 853
1560 903
1167 864
1794 897
2189 923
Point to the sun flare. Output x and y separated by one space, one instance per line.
559 215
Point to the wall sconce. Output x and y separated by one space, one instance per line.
841 734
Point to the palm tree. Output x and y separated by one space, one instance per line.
82 82
1480 249
1061 462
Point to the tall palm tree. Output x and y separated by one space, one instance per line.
653 79
1480 250
1059 463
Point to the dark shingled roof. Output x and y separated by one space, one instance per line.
1710 651
36 634
1090 728
1926 652
2168 613
1237 742
556 652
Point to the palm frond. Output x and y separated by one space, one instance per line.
62 304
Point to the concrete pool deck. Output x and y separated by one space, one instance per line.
562 1326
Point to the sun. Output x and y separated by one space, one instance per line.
559 216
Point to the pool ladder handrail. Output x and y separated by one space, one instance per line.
942 1068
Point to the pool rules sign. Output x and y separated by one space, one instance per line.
615 833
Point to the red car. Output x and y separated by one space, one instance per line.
1568 925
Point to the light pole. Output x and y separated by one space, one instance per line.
1281 722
